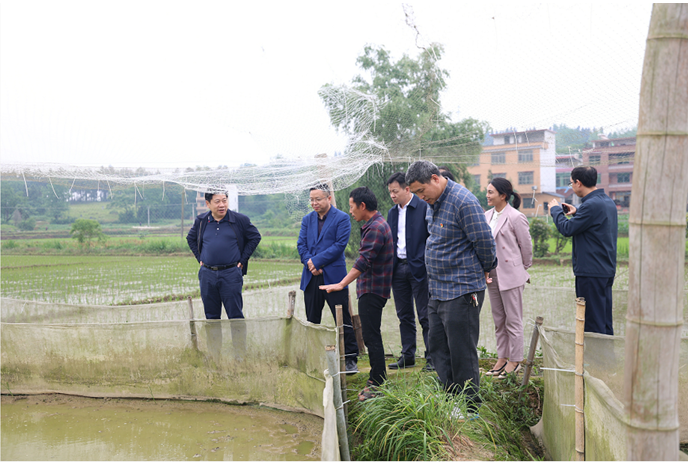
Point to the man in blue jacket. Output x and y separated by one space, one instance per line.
323 237
594 246
222 242
407 220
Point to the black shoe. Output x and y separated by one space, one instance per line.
350 366
429 367
402 363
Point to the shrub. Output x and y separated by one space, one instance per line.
84 231
10 245
27 224
540 232
560 240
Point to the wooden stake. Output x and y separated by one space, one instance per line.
340 330
580 442
192 326
532 352
657 227
291 302
337 401
356 325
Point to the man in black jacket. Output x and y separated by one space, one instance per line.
594 246
407 220
222 241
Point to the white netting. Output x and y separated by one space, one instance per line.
355 111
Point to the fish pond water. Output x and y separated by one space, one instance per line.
60 427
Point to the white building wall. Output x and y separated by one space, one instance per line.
548 158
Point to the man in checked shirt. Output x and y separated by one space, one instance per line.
460 251
373 274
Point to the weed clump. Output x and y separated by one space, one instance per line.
414 419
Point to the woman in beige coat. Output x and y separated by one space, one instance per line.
506 282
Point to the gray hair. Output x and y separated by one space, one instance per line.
321 187
421 171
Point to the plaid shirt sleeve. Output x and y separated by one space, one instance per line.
473 220
375 258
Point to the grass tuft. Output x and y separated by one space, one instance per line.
412 420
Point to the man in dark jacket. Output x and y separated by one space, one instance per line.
222 241
594 246
407 220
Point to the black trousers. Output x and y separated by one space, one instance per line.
314 300
371 313
597 293
406 289
454 328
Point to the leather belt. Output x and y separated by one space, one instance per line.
220 267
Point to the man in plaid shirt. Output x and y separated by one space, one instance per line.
460 251
373 272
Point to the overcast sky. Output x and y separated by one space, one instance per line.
169 84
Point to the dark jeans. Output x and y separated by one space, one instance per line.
371 312
219 288
453 338
406 290
315 298
597 293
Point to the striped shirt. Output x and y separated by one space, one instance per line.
460 248
375 258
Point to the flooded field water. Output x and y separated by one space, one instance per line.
58 427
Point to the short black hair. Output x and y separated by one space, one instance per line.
365 195
321 187
421 171
588 176
209 195
397 178
445 171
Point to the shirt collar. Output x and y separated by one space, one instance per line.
368 223
443 196
407 204
324 216
595 192
225 218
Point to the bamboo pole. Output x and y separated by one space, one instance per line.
657 226
340 333
580 435
532 352
337 401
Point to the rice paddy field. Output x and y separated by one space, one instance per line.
106 280
120 280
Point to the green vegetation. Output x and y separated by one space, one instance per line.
412 420
540 232
99 280
85 231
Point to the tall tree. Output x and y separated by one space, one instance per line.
408 117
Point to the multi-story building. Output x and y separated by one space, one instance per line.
564 163
525 158
614 161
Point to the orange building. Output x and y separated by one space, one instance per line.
525 158
614 161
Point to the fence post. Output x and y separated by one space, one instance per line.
532 352
192 326
340 333
580 443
